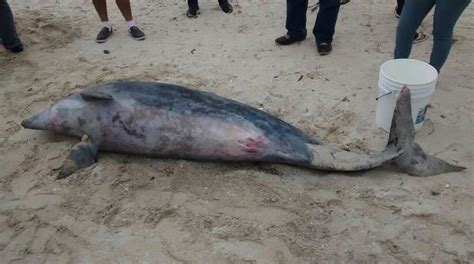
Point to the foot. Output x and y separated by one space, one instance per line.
104 35
16 49
287 40
136 33
324 48
192 12
420 37
226 6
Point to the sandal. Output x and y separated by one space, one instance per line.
420 37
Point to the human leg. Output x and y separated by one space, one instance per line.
326 19
296 18
295 22
8 32
399 7
226 6
101 8
446 15
125 8
193 7
413 13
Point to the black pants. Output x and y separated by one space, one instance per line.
326 19
7 26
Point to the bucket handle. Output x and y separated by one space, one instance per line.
383 95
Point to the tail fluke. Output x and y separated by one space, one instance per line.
413 160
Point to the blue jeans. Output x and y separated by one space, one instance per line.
7 26
325 22
446 15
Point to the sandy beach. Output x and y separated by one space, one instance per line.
132 209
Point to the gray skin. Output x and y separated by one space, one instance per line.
165 120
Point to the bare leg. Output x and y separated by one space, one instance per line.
101 8
125 8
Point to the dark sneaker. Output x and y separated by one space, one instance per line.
324 48
192 12
104 35
136 33
226 6
16 49
287 40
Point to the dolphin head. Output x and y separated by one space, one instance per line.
60 117
39 121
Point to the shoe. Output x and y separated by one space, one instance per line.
104 35
420 37
226 6
136 33
397 12
16 49
324 48
287 40
192 12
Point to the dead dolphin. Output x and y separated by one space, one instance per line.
165 120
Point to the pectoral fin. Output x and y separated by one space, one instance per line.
81 156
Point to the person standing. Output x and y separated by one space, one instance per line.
8 33
193 7
106 30
446 14
324 27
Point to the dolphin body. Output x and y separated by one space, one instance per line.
166 120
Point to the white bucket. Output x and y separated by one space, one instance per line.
418 76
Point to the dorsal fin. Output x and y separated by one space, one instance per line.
92 96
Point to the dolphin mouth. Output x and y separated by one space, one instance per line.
26 123
31 123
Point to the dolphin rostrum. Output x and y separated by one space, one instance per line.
165 120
